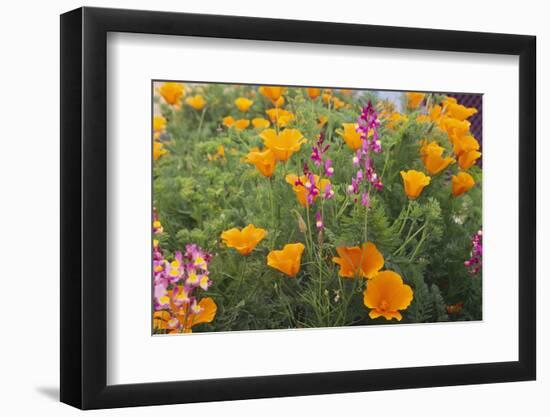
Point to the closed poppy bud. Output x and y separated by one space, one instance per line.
197 102
245 240
288 259
243 104
414 99
386 294
462 182
414 182
172 93
264 161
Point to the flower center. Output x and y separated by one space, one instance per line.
383 305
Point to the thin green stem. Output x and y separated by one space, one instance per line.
405 217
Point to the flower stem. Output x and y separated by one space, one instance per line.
200 122
405 217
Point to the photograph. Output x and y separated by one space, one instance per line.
294 207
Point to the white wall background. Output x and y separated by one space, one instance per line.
29 172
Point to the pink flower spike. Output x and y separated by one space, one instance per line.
319 221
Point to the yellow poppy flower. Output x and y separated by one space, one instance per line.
279 102
462 182
220 153
241 124
414 99
159 123
288 259
158 150
301 191
421 118
459 112
313 93
337 103
280 116
264 161
197 102
467 159
435 113
322 121
355 261
271 92
245 240
228 121
243 104
283 144
351 136
455 128
260 123
463 144
395 119
172 93
414 182
386 294
346 91
431 154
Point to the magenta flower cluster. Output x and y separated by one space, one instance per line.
474 263
367 126
182 275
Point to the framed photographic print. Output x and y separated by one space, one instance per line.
256 208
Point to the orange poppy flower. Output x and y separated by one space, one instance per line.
172 93
264 161
455 128
197 102
283 144
244 240
322 121
288 259
280 116
459 112
241 124
431 154
313 93
337 103
159 123
414 182
414 99
351 136
462 182
158 150
243 104
386 294
464 143
260 123
228 121
301 191
355 261
395 119
271 92
181 318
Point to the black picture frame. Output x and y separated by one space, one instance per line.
84 207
